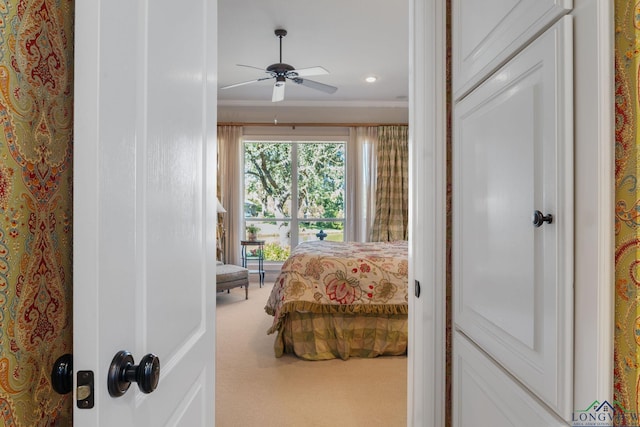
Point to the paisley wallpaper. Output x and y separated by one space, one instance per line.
36 105
627 211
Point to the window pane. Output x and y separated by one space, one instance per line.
321 180
292 191
276 236
267 180
307 230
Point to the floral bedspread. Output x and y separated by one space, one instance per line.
341 277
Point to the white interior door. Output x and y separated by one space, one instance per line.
144 207
513 156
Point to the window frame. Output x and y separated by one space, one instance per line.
294 221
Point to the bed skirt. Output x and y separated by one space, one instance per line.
322 336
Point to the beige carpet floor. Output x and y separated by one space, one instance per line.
254 388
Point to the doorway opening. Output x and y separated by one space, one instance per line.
427 123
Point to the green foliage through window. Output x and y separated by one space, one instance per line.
269 187
275 252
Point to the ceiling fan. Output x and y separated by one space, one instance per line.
281 72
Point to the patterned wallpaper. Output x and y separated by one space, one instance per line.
36 105
627 211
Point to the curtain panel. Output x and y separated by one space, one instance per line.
392 189
361 182
230 175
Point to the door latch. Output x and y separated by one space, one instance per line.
417 289
84 390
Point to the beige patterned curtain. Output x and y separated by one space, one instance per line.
230 189
361 180
392 190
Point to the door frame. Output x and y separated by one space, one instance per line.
426 367
594 198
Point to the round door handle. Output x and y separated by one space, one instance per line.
62 374
538 218
123 372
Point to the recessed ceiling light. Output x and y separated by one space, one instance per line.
371 79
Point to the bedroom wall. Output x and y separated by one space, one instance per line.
627 216
36 76
292 112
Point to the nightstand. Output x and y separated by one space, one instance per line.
253 251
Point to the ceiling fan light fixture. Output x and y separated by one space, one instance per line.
281 72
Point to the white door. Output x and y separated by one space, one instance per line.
144 208
513 156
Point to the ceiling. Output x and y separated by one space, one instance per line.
352 39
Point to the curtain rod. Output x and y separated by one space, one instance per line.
338 125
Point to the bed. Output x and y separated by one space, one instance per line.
340 300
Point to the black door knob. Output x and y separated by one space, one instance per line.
62 374
538 218
123 372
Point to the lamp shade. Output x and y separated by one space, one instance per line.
219 207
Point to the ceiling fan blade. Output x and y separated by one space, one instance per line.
311 71
278 92
315 85
251 66
246 83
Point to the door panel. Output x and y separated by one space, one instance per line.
513 281
487 33
144 221
486 395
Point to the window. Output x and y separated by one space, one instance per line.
292 190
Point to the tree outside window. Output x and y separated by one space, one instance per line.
312 171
